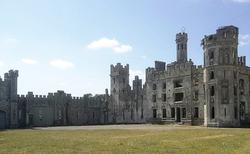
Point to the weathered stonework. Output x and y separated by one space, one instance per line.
217 94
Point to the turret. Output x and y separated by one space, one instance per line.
181 45
221 48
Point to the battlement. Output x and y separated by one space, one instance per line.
119 69
11 74
181 37
179 66
160 66
223 34
242 60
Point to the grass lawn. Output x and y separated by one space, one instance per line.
176 140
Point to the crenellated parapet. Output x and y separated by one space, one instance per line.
119 69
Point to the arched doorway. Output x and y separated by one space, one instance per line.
2 120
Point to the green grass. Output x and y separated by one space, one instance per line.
126 141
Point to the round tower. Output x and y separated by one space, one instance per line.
220 77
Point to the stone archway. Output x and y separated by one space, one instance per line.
2 120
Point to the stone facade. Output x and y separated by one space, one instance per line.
216 94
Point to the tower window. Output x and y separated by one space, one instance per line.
211 75
154 98
154 86
211 55
164 113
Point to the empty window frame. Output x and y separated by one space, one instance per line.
154 86
211 75
178 83
154 113
178 97
241 86
172 112
212 92
164 85
164 113
211 55
154 98
196 112
184 113
164 97
212 113
196 95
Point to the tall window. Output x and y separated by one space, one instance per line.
164 113
154 86
212 92
235 90
235 112
154 98
211 55
241 84
123 80
212 113
183 112
196 95
164 97
164 85
211 75
154 113
172 112
196 112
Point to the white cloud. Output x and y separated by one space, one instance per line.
113 44
29 61
244 39
62 64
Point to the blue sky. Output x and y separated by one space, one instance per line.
69 45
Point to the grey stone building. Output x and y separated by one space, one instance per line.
216 94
